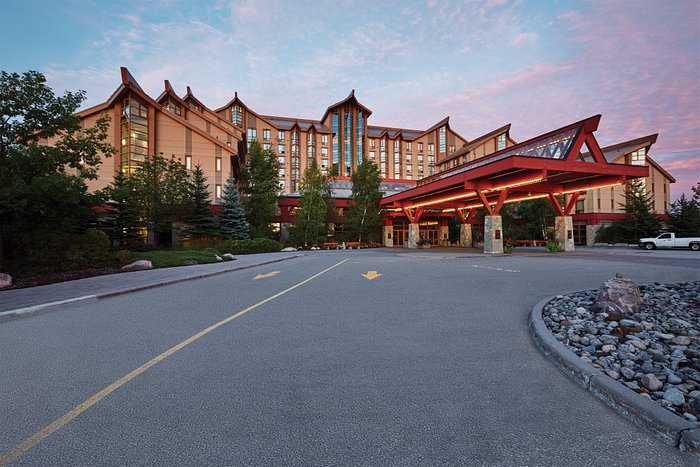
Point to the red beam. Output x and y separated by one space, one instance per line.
572 202
501 199
461 215
484 201
555 204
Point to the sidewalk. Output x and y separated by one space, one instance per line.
33 299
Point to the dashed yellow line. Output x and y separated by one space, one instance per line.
32 441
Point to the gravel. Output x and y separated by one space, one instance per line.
655 351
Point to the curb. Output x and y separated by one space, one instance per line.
20 313
670 428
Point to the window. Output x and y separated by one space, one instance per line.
420 158
420 169
324 164
172 107
501 142
336 140
666 236
281 185
580 206
442 139
266 146
324 152
281 160
359 137
431 148
237 116
280 135
408 158
397 169
408 146
218 191
372 155
382 143
408 169
452 149
371 142
397 157
218 164
638 157
266 134
252 134
598 204
188 162
280 172
280 149
324 139
420 147
397 146
134 134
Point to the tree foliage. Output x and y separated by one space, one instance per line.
200 221
233 223
161 190
315 209
685 214
43 187
640 218
363 219
122 222
259 182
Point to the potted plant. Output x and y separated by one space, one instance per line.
423 242
508 245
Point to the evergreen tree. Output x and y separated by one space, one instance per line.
363 220
640 218
200 221
123 222
259 182
233 223
315 207
685 215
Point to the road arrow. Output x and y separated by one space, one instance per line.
371 275
267 274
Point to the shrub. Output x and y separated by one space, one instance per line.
246 247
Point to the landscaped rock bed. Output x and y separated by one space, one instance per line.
653 348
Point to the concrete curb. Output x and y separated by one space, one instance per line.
20 313
670 428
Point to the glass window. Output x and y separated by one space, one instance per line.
420 158
638 157
371 142
452 149
372 155
280 135
188 162
431 148
266 134
382 143
408 146
237 116
280 172
420 147
281 160
134 134
324 139
252 134
218 191
266 146
347 140
580 206
443 139
397 169
359 137
218 164
336 139
280 148
408 169
172 107
408 158
501 142
397 146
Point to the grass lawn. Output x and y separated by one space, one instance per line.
168 258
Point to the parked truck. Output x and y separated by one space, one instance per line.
669 240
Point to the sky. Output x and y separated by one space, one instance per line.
536 64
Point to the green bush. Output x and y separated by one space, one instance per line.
48 252
246 247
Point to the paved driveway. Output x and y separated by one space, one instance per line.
429 363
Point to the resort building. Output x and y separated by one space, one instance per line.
409 159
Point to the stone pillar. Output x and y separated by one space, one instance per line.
444 235
388 235
493 235
564 232
413 235
465 235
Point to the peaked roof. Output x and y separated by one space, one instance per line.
190 97
351 97
476 142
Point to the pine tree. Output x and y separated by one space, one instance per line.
685 215
315 207
200 222
363 221
233 223
259 183
123 222
640 218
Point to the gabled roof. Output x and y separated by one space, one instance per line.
236 100
169 92
476 142
351 97
190 97
287 123
615 151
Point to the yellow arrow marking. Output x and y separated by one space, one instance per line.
371 275
267 274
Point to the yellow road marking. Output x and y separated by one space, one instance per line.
267 274
29 443
371 275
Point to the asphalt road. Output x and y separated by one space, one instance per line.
429 363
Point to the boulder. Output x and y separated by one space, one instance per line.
5 280
289 248
228 256
618 298
218 258
139 265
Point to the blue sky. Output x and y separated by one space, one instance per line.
536 64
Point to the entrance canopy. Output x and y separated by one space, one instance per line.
542 167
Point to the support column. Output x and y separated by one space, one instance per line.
413 235
388 235
493 235
564 232
465 235
444 235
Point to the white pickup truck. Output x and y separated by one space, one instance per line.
669 240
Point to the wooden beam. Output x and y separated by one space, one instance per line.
461 215
501 199
486 204
555 204
572 202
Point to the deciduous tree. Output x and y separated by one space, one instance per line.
259 183
363 220
314 212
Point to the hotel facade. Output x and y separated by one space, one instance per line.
185 129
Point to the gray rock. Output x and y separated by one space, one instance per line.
674 396
139 265
613 374
651 382
289 248
627 373
5 280
672 378
228 256
681 340
608 348
638 344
